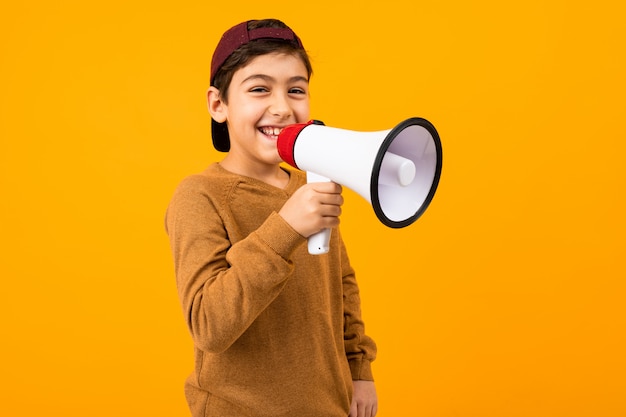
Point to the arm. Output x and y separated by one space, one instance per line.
223 287
360 348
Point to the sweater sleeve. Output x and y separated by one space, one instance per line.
360 348
223 287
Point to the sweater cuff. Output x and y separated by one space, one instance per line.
361 370
280 236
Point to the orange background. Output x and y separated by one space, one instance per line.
505 299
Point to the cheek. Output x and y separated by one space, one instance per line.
302 112
246 112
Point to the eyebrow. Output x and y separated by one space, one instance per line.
267 78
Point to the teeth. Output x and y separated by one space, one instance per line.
271 131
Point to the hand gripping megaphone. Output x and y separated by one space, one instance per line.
397 170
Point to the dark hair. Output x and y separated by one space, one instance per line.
245 53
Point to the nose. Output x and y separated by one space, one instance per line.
280 105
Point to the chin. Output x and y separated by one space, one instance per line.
276 159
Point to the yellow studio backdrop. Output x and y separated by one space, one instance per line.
505 299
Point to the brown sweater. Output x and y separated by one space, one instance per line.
277 331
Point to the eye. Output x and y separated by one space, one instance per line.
259 89
297 90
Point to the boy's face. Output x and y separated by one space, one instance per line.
269 93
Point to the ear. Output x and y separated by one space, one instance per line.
216 105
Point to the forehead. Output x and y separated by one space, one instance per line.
275 65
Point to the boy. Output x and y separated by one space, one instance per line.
276 331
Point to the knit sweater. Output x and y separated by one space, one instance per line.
276 331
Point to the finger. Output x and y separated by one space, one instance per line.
331 199
353 410
329 209
327 187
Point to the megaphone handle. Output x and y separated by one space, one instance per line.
319 243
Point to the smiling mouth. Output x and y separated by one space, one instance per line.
272 132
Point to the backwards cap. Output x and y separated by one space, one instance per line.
231 40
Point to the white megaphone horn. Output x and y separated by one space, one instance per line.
395 170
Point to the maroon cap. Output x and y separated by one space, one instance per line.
232 39
239 35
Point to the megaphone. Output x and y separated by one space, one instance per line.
396 170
